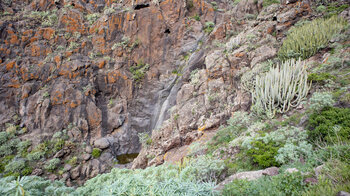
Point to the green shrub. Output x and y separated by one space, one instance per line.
26 171
236 125
3 137
73 161
318 101
281 88
59 145
52 164
292 152
264 153
23 146
96 152
203 169
320 78
15 166
290 142
331 125
304 41
325 153
34 156
282 184
335 8
9 147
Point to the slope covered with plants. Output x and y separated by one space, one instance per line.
211 97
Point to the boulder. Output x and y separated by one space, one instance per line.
75 173
250 175
102 143
86 157
291 170
67 167
37 172
343 193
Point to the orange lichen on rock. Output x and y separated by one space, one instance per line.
101 64
100 44
240 54
48 33
112 77
73 21
37 50
14 84
10 65
57 59
56 97
26 35
14 39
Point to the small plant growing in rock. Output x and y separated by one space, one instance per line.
194 77
92 17
73 161
73 45
209 27
138 71
145 139
52 164
96 152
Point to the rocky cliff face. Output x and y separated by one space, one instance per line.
106 70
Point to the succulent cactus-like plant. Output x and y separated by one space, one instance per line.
304 41
281 88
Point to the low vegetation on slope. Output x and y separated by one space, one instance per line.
191 177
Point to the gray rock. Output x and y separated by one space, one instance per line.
75 173
95 168
88 149
86 157
65 176
287 16
59 154
67 167
53 177
250 175
106 156
318 170
343 193
291 170
272 171
37 172
102 143
311 181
